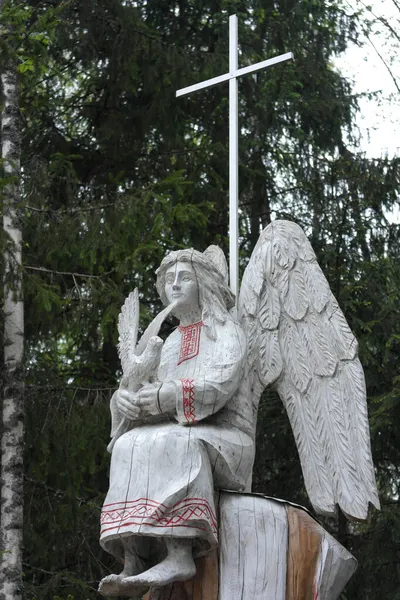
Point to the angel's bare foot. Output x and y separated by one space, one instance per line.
111 585
177 566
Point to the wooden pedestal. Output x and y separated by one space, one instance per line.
268 550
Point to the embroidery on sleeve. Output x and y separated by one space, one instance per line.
190 341
188 400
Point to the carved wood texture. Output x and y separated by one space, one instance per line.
203 586
303 554
268 550
299 342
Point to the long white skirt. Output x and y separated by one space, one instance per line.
162 482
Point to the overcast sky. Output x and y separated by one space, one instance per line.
379 119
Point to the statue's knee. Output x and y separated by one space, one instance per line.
176 439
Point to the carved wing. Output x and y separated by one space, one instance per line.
300 342
128 324
154 327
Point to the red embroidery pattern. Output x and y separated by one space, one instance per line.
190 341
188 400
148 512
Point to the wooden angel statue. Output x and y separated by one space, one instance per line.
186 427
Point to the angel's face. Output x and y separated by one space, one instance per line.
181 287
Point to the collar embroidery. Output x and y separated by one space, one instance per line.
190 341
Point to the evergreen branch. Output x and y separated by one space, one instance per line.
397 4
71 211
99 186
99 562
58 572
392 75
55 74
68 388
39 569
384 21
68 273
58 493
167 43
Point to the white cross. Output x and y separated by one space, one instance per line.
232 76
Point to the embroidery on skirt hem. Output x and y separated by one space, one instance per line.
145 511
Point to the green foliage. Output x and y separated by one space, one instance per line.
65 482
116 170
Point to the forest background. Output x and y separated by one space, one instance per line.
115 171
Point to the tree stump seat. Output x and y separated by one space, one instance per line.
268 549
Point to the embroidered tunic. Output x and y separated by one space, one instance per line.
163 475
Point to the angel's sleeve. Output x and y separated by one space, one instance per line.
202 396
116 416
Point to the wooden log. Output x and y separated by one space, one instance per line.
303 554
318 566
253 548
268 550
272 550
203 586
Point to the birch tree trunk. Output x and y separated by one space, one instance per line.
12 410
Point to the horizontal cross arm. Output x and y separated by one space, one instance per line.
264 63
203 84
221 78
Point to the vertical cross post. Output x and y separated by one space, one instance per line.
234 73
233 157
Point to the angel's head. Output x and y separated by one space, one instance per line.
196 281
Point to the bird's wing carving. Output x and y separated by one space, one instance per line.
128 325
154 327
300 342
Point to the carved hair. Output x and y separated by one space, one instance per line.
215 297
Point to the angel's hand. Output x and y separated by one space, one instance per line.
157 399
127 404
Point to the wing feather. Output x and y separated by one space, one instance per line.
354 382
308 432
318 344
299 341
348 483
317 285
342 336
128 325
269 310
271 363
295 301
293 349
281 281
283 255
306 252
